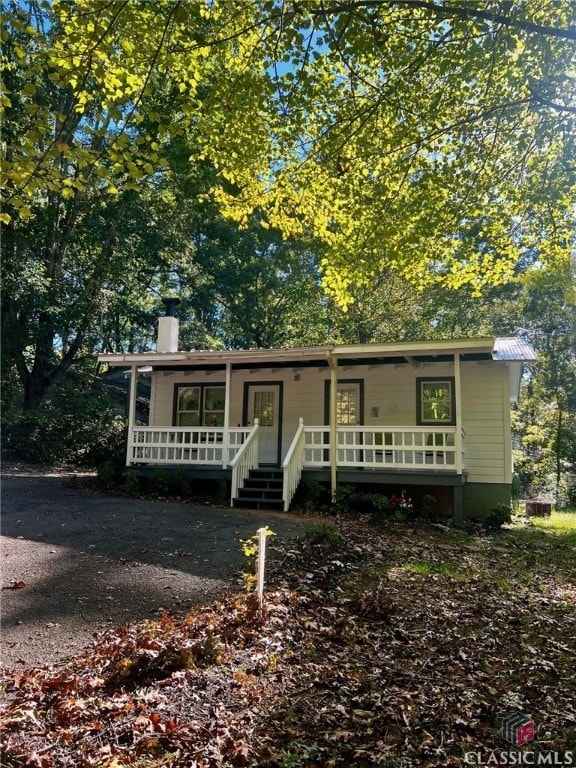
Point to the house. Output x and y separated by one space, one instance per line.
424 417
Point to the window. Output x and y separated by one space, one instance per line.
347 404
199 405
214 398
435 401
264 408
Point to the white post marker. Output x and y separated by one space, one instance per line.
261 563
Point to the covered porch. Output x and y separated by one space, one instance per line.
378 452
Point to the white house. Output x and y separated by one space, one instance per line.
428 417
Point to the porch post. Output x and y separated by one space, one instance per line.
226 436
333 426
131 413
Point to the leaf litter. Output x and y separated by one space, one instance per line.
398 647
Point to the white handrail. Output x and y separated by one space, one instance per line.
245 460
292 466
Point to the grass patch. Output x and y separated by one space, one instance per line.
544 548
441 568
325 534
561 524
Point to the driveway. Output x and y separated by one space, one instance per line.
75 562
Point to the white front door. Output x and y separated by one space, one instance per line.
264 405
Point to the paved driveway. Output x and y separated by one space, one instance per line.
76 561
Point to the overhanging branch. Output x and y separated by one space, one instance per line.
465 12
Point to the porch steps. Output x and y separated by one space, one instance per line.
262 489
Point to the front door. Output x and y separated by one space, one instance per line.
264 405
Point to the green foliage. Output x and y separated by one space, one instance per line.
498 516
325 534
310 495
560 524
76 424
441 568
324 146
428 507
108 474
171 482
373 173
545 421
377 503
131 480
121 158
343 500
250 546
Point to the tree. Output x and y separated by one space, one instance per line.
546 421
240 287
387 128
425 136
80 162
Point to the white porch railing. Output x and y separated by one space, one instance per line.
384 447
244 460
186 445
292 466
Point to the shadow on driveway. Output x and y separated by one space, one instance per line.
75 561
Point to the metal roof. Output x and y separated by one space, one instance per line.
513 348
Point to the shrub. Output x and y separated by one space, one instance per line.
109 474
313 492
373 503
498 516
131 480
344 500
324 534
170 483
73 425
428 507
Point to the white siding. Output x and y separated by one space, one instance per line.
486 420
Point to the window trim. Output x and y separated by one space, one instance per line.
202 387
421 422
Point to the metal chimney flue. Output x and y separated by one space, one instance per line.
168 327
170 305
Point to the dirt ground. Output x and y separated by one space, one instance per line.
75 561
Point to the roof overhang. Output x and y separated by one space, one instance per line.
215 357
410 352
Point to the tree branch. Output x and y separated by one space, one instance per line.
553 104
467 12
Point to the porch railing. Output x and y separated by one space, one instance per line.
244 460
385 447
186 445
292 466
